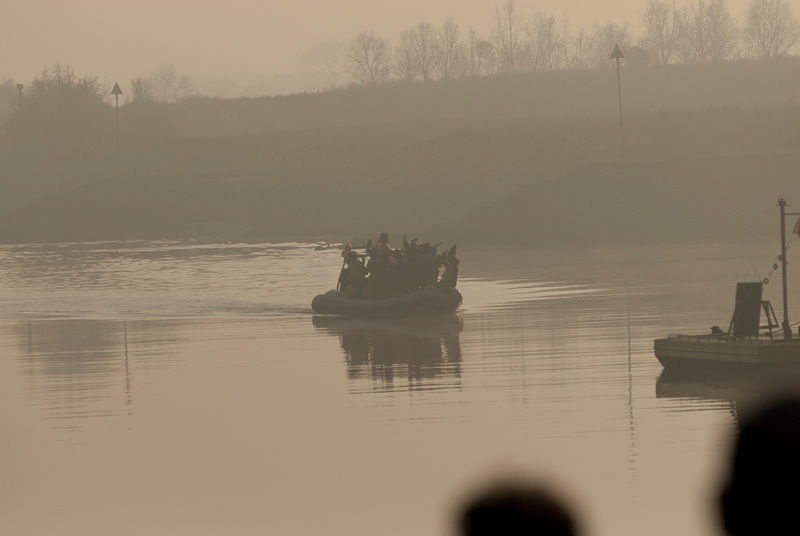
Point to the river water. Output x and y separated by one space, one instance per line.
168 388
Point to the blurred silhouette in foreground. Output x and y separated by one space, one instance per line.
515 509
761 493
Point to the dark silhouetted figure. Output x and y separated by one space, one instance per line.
516 509
761 495
352 277
450 274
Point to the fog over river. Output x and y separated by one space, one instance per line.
185 388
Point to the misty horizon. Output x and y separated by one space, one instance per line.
249 315
240 50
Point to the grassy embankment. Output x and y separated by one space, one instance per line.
526 160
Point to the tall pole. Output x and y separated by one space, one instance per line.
117 92
19 88
787 331
116 108
616 56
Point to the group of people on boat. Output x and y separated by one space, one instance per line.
384 272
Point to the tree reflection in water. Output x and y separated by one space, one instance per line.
76 367
424 349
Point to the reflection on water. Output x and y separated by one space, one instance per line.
200 399
425 351
79 368
693 393
736 391
75 368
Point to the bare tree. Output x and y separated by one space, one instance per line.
707 32
507 37
369 59
478 54
770 29
604 38
425 43
141 90
166 86
684 46
544 44
460 65
404 62
448 50
327 62
566 45
581 50
724 31
661 23
146 120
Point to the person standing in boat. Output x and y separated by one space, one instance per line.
401 276
352 280
450 262
380 273
379 267
383 241
424 266
411 258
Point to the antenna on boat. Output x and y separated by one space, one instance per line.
787 331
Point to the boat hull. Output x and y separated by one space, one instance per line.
432 299
703 352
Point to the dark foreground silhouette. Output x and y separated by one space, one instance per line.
761 495
516 509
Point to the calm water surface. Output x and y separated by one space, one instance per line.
167 388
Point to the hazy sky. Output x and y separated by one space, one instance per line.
236 38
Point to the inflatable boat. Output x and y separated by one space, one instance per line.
431 299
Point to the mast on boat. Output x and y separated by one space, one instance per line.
787 331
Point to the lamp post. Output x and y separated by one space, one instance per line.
616 56
19 88
117 92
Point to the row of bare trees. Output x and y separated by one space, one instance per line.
62 109
701 31
163 84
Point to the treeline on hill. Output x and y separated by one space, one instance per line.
696 32
343 162
743 83
689 32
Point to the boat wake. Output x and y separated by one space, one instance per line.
483 295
